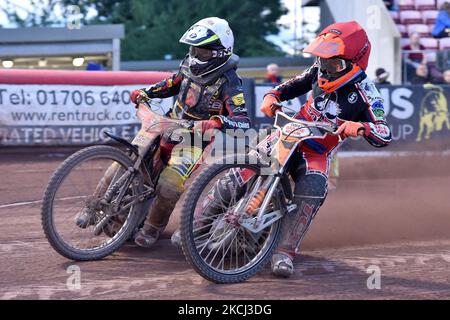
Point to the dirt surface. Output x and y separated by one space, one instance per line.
392 213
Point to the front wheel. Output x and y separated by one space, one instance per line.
76 192
213 241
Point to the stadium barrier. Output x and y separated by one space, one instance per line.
69 107
418 116
46 108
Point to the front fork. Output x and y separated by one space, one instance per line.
262 220
122 184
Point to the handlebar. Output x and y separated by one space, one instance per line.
329 127
276 107
185 124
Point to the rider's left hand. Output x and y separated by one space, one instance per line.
270 105
351 129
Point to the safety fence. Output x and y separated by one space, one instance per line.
76 108
418 115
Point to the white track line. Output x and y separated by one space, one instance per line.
33 171
19 204
25 203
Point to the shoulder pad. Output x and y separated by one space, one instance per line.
369 92
233 78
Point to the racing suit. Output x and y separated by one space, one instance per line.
357 100
219 95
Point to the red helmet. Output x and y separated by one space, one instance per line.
346 41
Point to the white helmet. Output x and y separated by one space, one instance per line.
210 33
211 44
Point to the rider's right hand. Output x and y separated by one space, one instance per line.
138 96
270 105
205 125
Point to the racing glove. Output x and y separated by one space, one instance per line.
138 96
269 106
351 129
205 125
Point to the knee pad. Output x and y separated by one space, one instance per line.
170 184
168 192
310 193
311 185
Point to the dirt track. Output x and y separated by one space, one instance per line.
390 212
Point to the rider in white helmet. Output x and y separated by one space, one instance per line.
210 93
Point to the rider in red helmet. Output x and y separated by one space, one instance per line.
342 94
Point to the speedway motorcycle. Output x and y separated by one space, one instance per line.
228 236
116 186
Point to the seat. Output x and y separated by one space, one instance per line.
425 5
395 16
422 29
431 57
429 16
406 4
430 43
404 42
430 28
403 31
444 44
410 17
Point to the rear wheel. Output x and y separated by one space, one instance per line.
75 188
213 241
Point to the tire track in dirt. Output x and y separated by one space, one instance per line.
418 270
394 209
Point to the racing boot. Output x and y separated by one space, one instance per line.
85 218
282 265
147 236
168 192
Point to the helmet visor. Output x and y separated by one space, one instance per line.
202 54
332 65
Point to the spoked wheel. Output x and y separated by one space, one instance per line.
214 242
78 223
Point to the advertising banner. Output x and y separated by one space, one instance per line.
77 108
67 115
419 116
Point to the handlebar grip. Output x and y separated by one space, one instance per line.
146 103
363 129
276 107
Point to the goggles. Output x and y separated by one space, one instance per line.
202 54
332 65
